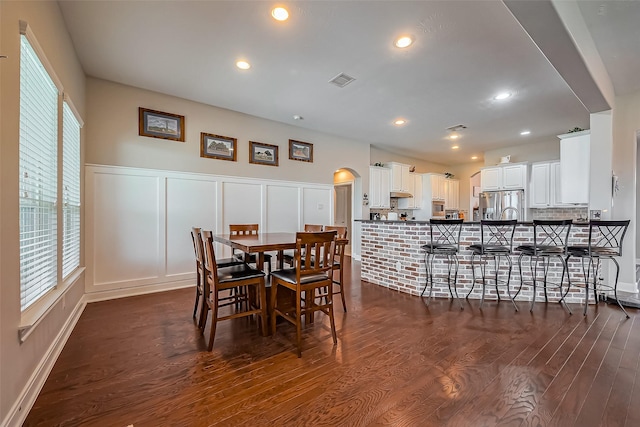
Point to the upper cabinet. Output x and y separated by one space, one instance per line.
574 165
415 188
401 180
379 179
512 176
452 194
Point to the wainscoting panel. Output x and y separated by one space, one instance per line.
317 206
138 222
189 203
126 228
283 208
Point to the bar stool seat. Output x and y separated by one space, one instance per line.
496 242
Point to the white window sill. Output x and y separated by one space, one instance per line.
32 316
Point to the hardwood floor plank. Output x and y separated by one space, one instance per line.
142 361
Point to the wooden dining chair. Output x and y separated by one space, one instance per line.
198 249
287 256
239 276
338 260
246 230
310 280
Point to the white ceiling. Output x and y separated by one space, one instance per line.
464 53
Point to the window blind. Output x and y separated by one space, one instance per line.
38 177
70 191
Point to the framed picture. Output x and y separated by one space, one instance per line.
218 147
157 124
263 154
302 151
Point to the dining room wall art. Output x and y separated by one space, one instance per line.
157 124
218 147
301 151
263 154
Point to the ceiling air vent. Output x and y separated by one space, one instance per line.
341 80
456 128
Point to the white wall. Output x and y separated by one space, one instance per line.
626 124
23 367
113 139
536 152
422 166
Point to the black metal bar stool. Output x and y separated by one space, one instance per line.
550 238
605 242
444 240
496 242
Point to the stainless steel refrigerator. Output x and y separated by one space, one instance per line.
502 205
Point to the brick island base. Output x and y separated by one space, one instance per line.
392 257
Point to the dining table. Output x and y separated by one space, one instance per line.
259 244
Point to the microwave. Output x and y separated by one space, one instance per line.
437 208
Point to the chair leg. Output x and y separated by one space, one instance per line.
455 279
521 276
299 322
426 268
509 283
263 306
534 279
473 276
195 306
615 287
214 320
332 320
341 276
274 292
496 261
565 268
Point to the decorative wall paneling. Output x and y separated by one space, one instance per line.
137 221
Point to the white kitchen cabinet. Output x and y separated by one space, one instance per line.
438 189
545 186
512 176
540 186
400 177
574 165
414 187
379 181
452 194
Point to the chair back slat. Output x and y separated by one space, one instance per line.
554 233
498 232
243 229
445 232
314 253
197 246
210 266
607 235
341 231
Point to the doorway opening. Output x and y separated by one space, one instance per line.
344 186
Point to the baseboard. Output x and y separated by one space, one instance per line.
137 290
29 394
627 287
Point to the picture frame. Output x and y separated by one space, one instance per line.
263 154
158 124
301 151
218 147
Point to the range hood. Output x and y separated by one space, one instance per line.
399 194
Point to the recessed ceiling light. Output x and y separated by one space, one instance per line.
455 147
474 157
400 122
243 65
280 13
525 132
501 96
403 41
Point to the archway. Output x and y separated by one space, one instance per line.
347 192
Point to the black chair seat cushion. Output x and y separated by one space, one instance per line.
238 272
289 276
541 250
479 249
227 262
440 248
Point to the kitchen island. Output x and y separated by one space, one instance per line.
392 257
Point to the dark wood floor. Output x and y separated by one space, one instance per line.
142 361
